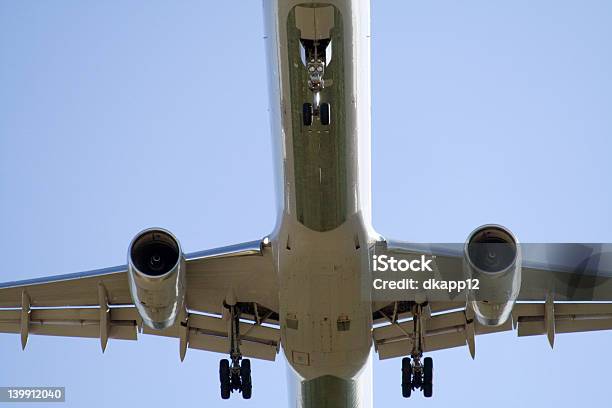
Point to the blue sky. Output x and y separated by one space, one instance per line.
117 116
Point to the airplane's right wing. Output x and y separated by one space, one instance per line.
98 304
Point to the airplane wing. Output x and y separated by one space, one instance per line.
98 304
566 288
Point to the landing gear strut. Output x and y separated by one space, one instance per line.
237 375
417 375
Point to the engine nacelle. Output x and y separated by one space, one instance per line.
156 273
493 256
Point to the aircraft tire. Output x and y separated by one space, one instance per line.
325 114
245 379
307 114
224 377
406 377
428 377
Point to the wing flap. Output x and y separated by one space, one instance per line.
71 322
206 332
84 329
448 330
569 318
442 331
202 341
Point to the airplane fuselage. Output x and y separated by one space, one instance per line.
323 235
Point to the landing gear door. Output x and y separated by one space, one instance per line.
315 25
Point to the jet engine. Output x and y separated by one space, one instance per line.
492 255
156 273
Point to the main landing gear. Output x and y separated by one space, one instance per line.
237 375
417 375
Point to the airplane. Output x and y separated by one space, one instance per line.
301 286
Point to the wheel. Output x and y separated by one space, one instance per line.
307 114
224 377
325 114
247 391
428 377
428 390
406 377
245 379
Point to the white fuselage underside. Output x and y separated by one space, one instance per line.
323 234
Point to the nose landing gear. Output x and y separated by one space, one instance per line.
323 111
237 376
315 67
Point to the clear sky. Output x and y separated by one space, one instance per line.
116 116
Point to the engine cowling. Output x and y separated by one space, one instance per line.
492 255
156 273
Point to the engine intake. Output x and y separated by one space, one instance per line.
492 255
491 249
156 271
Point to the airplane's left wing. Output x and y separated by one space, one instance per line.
98 304
451 325
565 288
